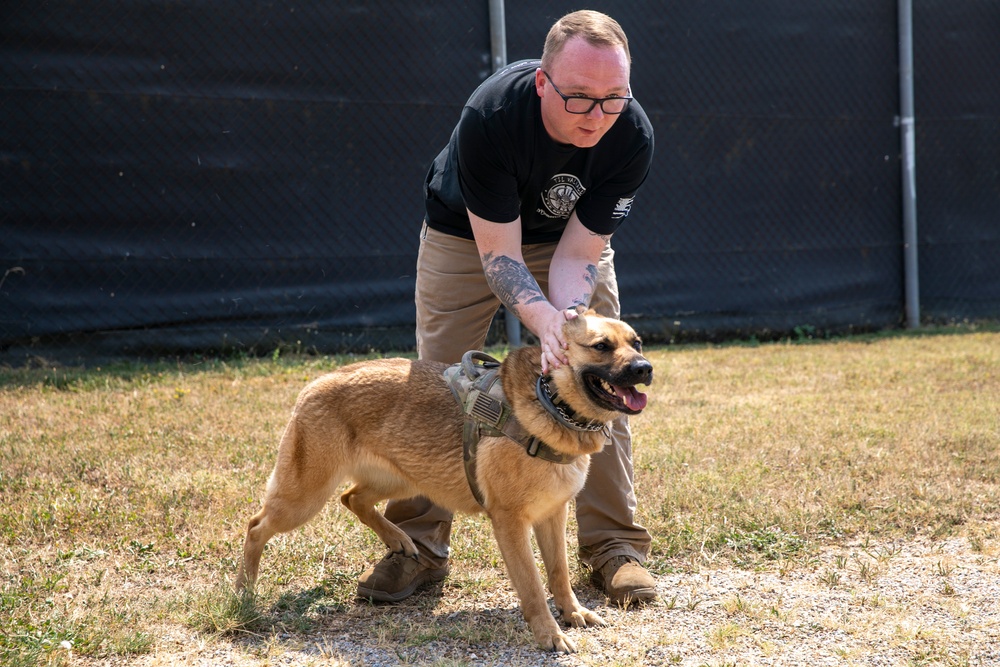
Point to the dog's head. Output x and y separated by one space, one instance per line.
605 367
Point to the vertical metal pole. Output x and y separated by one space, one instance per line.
909 167
498 48
498 34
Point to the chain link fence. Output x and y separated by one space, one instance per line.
186 176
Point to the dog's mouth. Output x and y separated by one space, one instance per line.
615 397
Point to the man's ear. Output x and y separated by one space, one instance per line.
539 82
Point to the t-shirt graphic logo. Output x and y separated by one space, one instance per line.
560 196
622 208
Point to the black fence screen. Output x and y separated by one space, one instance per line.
180 176
958 144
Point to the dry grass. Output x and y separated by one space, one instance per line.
765 446
124 492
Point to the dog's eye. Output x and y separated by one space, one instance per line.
601 347
637 345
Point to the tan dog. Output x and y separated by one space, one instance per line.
393 427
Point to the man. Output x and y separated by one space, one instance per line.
539 173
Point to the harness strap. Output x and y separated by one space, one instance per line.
475 384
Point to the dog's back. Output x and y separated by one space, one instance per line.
390 421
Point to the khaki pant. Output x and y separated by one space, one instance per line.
454 309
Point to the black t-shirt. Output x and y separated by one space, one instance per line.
500 163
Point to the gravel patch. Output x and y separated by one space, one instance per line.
916 603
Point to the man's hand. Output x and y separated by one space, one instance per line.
552 340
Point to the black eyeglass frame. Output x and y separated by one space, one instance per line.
594 101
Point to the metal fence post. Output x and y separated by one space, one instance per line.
909 166
498 34
498 47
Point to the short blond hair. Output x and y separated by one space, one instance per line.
597 28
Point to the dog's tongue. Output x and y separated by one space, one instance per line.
635 400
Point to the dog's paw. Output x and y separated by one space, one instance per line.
407 548
582 618
558 642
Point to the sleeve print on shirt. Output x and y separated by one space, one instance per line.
622 208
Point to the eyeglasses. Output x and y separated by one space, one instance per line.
582 105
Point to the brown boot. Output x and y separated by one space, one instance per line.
625 581
396 577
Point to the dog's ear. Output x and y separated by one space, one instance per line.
580 320
572 324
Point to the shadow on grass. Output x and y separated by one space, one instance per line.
304 610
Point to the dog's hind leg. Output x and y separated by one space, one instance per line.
514 539
551 536
283 511
292 498
361 500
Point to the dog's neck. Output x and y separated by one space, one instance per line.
562 413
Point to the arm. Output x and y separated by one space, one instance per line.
572 275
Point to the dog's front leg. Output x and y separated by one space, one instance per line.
514 539
551 536
361 500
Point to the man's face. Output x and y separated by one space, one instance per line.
581 69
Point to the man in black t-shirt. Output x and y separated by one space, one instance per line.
540 171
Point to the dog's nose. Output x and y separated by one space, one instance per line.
642 370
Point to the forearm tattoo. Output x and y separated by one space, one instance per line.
591 279
511 281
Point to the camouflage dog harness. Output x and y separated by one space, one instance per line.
475 382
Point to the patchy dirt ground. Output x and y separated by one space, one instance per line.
917 603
